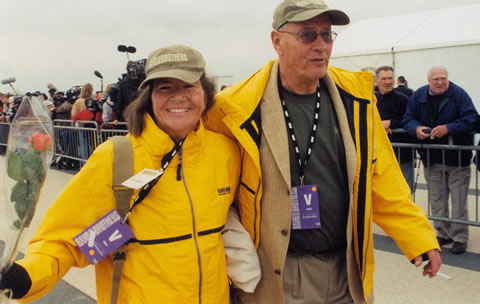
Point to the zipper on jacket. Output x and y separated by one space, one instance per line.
179 165
194 226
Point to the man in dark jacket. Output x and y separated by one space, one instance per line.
391 106
402 86
436 111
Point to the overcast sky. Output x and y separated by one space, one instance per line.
64 42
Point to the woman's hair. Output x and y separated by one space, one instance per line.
135 112
87 91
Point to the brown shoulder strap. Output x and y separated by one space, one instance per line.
122 170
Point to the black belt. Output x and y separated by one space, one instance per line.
328 253
176 238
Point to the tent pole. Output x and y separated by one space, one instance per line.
393 59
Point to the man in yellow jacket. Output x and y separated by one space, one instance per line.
317 168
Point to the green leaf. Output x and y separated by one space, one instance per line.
15 167
19 192
17 224
21 207
33 167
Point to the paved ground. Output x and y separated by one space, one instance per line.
396 280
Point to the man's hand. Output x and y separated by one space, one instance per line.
386 124
433 265
440 131
420 132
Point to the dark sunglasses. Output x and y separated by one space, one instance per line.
310 36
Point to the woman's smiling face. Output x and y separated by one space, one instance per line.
177 106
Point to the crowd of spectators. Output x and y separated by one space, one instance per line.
440 113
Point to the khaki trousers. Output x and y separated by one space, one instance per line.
316 279
443 182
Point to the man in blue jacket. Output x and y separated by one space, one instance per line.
435 112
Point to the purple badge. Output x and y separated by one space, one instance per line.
305 210
103 237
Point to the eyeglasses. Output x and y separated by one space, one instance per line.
310 36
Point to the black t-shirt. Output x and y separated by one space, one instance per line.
326 168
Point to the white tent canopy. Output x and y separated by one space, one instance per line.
413 43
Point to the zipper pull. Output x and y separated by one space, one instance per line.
179 165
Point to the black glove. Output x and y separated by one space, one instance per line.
17 280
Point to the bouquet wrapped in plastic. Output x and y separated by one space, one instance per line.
27 160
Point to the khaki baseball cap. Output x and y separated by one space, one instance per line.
302 10
176 61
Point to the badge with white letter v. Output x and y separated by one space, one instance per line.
305 209
103 237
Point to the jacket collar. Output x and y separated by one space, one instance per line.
158 143
274 127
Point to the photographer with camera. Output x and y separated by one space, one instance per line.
63 108
92 112
126 90
72 94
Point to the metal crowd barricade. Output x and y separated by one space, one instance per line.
75 140
110 129
473 190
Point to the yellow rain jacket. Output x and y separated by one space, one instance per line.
378 191
179 256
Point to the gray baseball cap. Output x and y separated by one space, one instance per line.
302 10
175 61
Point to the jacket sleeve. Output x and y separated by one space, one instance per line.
52 251
392 205
410 120
243 266
466 114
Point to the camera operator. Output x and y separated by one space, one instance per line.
62 108
73 93
126 90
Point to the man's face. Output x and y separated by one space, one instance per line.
305 61
384 81
4 99
438 81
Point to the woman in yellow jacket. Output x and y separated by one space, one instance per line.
177 253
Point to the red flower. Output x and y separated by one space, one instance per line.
40 142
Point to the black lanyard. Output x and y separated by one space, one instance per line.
301 164
146 189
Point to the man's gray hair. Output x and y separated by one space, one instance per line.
383 68
436 67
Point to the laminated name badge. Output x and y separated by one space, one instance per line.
305 210
103 237
142 178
